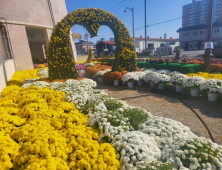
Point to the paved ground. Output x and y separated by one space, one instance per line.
82 58
171 107
189 54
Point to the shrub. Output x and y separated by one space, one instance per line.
112 104
90 56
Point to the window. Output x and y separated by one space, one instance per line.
194 33
150 45
201 32
218 30
162 45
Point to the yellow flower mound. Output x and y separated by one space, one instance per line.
206 75
20 76
41 130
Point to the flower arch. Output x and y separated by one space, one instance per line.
60 62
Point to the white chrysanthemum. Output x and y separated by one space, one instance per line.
160 78
178 79
135 147
193 82
44 72
149 76
130 77
140 75
40 84
211 85
164 130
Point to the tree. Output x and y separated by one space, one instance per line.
89 59
177 50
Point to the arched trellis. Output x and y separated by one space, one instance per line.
60 61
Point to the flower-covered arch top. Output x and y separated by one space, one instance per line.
60 61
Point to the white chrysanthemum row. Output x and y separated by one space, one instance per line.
144 145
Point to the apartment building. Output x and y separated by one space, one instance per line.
196 12
192 34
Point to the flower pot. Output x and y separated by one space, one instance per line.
130 84
139 83
100 80
152 84
212 97
116 83
194 92
81 71
161 86
179 89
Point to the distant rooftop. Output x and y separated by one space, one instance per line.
156 39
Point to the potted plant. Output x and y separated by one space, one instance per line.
212 86
140 75
130 78
115 77
161 80
148 78
99 75
193 83
178 81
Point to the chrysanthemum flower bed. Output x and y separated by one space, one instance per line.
69 125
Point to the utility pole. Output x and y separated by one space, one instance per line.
132 10
145 22
208 45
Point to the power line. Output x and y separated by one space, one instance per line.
173 19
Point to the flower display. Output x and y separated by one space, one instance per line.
160 78
206 75
140 75
109 124
211 85
149 76
178 79
47 130
155 165
116 75
80 67
43 73
130 77
193 153
100 73
65 124
164 71
60 62
135 147
88 64
193 82
173 73
164 130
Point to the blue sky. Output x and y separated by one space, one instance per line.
157 11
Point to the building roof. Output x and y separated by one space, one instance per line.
198 27
155 39
108 42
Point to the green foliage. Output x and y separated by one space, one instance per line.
156 165
145 53
177 49
90 56
136 116
112 104
89 107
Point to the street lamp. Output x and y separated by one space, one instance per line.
131 9
208 45
145 22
